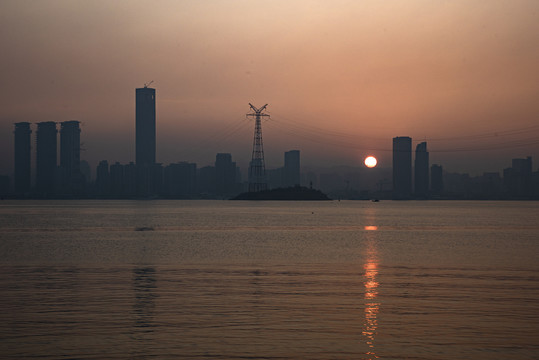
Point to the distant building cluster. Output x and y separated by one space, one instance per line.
51 179
402 171
518 182
180 180
145 178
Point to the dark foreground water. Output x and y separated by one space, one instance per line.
269 280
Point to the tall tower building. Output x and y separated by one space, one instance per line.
402 167
145 126
71 178
22 157
291 168
421 171
46 157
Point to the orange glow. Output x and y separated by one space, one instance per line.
411 75
370 161
371 227
372 307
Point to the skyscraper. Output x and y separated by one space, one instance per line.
291 168
145 126
71 178
421 171
402 167
46 157
22 157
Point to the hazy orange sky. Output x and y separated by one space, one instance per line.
341 77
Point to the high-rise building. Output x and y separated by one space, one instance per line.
402 167
72 180
46 157
145 126
22 158
421 171
291 168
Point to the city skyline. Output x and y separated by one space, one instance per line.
185 180
342 79
247 125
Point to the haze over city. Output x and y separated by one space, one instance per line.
341 78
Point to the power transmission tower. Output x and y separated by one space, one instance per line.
257 168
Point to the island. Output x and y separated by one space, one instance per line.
290 193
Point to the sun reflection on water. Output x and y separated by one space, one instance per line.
372 305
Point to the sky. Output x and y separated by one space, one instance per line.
341 78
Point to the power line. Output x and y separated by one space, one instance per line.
353 141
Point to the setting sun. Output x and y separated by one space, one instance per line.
370 161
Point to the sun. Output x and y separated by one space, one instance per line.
370 161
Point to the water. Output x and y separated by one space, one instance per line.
269 280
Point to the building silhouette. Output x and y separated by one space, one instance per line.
517 180
437 180
145 126
71 179
4 186
102 179
117 180
291 168
157 179
131 180
86 171
22 178
275 178
206 181
225 175
421 171
46 157
402 167
180 180
487 186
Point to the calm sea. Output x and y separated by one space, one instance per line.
269 280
